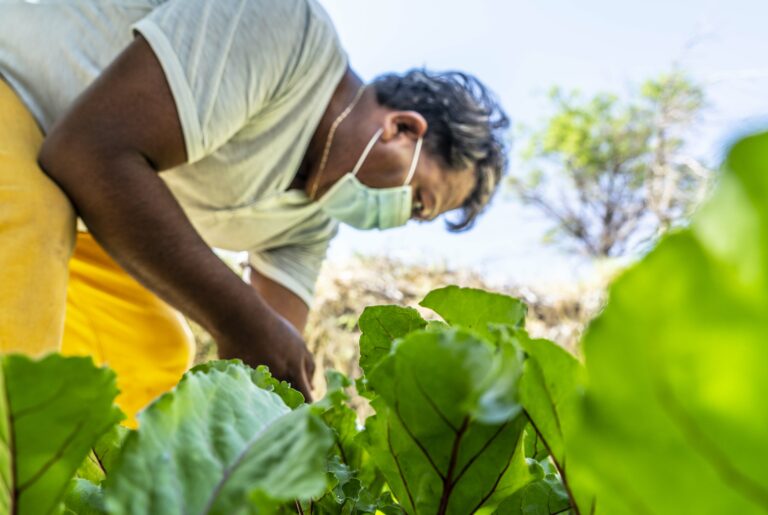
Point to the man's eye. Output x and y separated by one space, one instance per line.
423 212
418 206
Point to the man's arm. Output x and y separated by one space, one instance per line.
282 300
105 155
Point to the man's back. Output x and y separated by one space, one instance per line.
51 50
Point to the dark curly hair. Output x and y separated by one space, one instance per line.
466 127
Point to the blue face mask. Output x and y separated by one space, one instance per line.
352 202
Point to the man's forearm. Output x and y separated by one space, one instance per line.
131 212
289 305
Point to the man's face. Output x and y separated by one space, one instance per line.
436 188
439 190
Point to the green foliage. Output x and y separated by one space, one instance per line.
103 455
51 411
472 415
355 485
447 434
549 390
84 498
260 377
219 443
673 413
426 437
448 429
380 326
611 173
475 309
545 496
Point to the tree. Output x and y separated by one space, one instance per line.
614 174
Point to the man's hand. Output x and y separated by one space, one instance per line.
294 311
279 346
105 155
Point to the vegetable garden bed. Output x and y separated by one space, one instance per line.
665 415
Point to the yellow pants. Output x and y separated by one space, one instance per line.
86 305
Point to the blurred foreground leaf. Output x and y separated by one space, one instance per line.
674 417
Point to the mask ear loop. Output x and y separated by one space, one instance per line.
414 162
367 151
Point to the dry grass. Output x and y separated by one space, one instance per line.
346 288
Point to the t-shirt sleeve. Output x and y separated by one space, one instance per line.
296 267
224 61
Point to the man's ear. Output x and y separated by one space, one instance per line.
410 124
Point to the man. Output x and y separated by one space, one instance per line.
265 140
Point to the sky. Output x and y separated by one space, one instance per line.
522 48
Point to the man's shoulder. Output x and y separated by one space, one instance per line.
299 27
309 57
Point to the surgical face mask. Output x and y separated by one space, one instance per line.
352 202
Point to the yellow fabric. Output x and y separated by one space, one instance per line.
118 322
37 233
109 315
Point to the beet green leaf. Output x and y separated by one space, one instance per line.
549 391
475 309
427 436
380 327
51 412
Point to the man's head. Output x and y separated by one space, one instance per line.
463 130
462 127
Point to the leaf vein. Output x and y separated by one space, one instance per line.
417 442
397 462
57 455
433 405
480 452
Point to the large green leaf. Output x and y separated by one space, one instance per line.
549 391
261 377
475 309
426 438
675 419
51 413
380 327
219 444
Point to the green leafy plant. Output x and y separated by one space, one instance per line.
472 415
448 433
447 437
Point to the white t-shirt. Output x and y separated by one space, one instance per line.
251 80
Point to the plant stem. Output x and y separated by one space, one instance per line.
448 483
